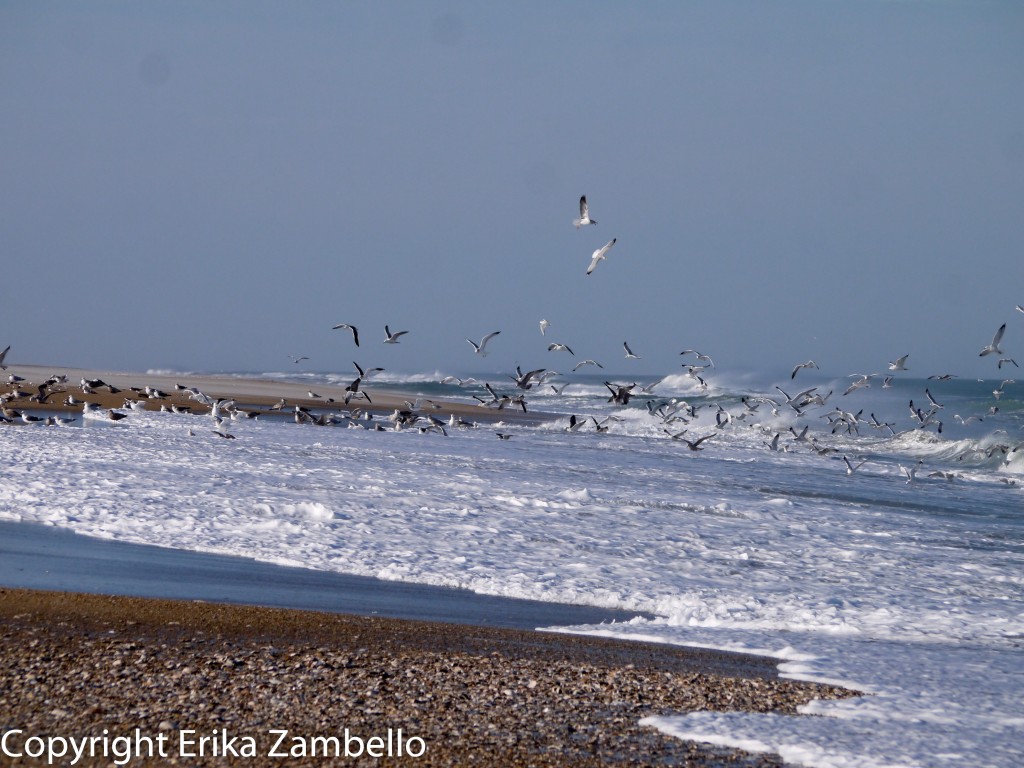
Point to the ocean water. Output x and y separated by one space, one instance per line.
903 579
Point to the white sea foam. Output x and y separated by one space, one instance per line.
910 592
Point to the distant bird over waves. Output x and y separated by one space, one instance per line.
695 445
523 380
481 348
796 369
699 355
544 325
993 348
911 472
864 380
355 331
584 218
297 360
600 254
587 362
851 468
899 364
367 373
392 338
629 352
943 376
3 355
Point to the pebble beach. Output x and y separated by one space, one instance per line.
201 684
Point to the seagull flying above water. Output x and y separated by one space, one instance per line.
481 348
993 348
796 369
392 338
899 364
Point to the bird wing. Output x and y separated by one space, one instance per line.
488 337
999 335
600 252
584 208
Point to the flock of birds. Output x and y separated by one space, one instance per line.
677 416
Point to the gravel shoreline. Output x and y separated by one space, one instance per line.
74 665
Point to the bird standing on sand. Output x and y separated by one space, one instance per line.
600 254
584 218
392 338
355 331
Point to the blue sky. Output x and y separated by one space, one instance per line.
212 186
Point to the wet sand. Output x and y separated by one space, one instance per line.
36 556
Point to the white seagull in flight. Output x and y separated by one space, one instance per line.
555 347
993 348
392 338
544 325
629 352
481 348
899 364
584 218
355 331
600 254
799 366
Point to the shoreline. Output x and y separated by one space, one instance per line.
38 556
261 396
72 665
